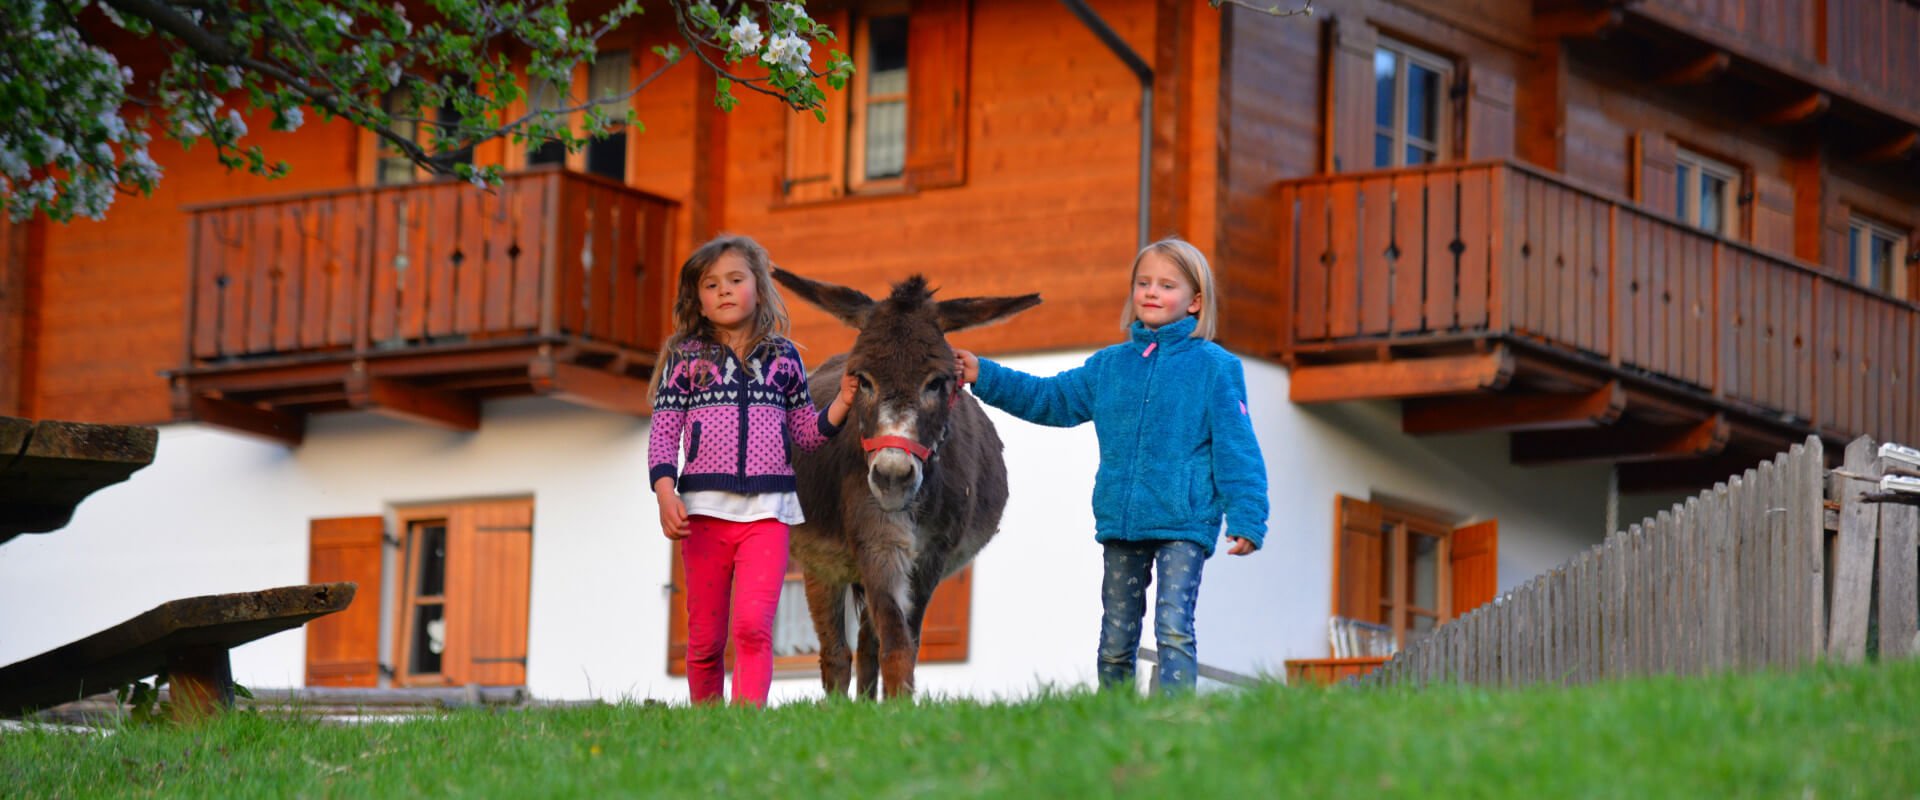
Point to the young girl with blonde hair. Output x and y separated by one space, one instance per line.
734 390
1177 454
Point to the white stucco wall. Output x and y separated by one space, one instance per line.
219 513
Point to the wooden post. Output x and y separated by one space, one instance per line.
1853 554
201 678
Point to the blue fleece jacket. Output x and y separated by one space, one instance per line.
1177 450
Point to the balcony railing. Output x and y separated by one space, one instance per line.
1500 250
1864 48
288 295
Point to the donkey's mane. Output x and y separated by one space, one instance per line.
911 293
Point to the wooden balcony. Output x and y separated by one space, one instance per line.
1792 60
419 301
1492 296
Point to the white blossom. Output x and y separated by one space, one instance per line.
290 119
789 51
746 34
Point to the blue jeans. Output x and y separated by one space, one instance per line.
1123 599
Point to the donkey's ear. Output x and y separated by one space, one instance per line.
849 305
972 312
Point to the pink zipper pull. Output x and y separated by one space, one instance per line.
1149 350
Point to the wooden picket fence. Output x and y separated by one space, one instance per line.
1746 575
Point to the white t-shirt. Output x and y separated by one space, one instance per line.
738 507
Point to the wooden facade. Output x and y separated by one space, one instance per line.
1541 276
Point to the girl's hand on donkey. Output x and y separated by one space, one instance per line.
1240 546
967 365
843 402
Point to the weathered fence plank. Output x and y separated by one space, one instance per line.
1853 554
1810 521
1899 525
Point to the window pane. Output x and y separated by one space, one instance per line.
543 94
1385 63
1423 571
1853 253
429 640
1713 203
1880 268
1681 207
1418 154
432 537
888 49
1382 150
609 76
1423 102
886 139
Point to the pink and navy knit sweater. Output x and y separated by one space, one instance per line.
740 421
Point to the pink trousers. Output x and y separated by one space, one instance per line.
737 566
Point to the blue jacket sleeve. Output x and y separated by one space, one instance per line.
1239 471
1063 401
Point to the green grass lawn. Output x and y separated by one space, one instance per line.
1824 732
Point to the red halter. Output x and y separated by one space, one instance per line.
917 449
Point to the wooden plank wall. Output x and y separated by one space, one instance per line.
1732 579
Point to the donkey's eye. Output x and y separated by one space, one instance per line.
865 385
937 385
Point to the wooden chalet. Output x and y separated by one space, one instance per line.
1669 235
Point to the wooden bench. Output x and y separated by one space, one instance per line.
48 467
188 638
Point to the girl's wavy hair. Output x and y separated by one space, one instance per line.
689 325
1193 267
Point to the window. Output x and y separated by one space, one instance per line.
393 166
879 138
610 75
1410 104
458 579
1705 192
1877 258
796 646
1408 571
901 124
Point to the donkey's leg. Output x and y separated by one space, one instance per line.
827 603
926 578
866 657
886 570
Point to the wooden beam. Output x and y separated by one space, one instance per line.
1893 149
1514 412
267 423
590 387
1577 23
1801 110
1398 380
1697 70
391 398
1630 441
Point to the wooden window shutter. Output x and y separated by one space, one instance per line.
1350 129
1772 214
816 159
489 560
1655 180
1359 551
943 632
343 649
816 152
1474 561
938 43
1489 113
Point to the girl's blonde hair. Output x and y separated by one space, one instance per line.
1193 267
769 313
